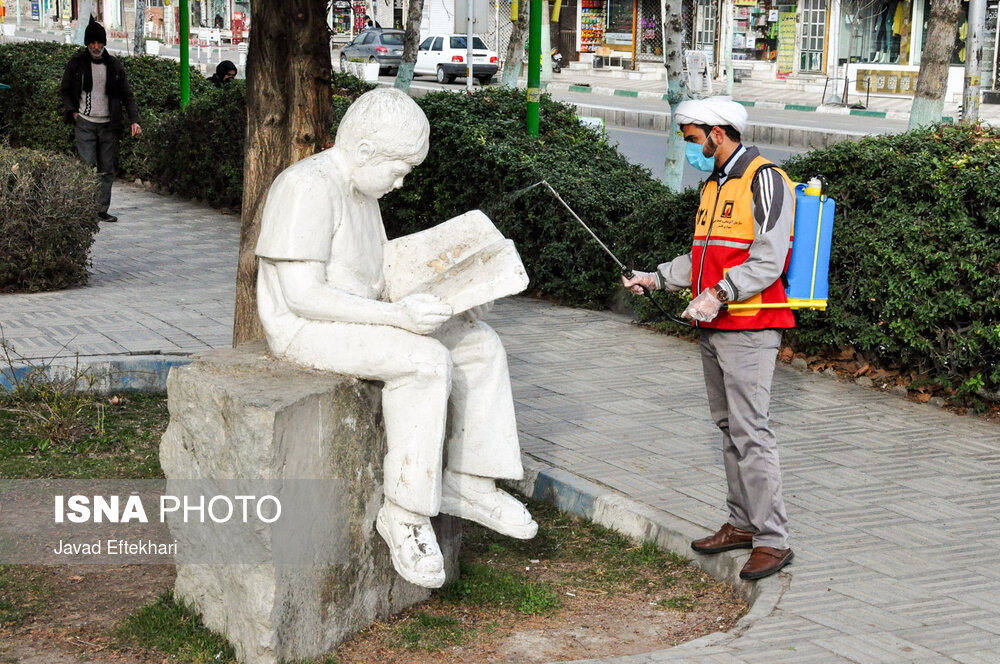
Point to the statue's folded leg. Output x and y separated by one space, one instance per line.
482 438
416 371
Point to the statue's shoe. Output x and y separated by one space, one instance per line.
412 545
478 499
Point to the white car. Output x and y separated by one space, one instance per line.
444 57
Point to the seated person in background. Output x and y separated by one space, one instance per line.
224 72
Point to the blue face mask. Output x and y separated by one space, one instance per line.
693 152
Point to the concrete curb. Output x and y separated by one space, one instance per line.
104 374
575 495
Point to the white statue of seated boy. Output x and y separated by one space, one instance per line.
320 293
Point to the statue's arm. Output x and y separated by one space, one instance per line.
308 295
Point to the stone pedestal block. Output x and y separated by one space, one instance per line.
242 414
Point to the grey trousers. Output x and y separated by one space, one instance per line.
738 369
98 146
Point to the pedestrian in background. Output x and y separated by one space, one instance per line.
93 90
224 72
740 251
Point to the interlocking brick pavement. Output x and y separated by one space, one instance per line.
894 506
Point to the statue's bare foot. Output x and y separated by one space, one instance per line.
478 499
412 545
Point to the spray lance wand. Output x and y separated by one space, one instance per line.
625 270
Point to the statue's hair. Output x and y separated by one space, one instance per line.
393 122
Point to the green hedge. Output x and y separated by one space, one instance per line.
915 267
47 220
199 151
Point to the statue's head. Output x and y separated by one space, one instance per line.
383 134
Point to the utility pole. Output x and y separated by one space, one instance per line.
185 45
534 65
973 61
468 49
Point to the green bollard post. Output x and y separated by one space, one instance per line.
534 64
185 37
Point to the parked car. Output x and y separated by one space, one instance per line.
444 57
379 45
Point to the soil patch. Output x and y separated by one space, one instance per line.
75 610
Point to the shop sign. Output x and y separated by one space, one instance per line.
786 44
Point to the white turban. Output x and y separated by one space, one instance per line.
713 111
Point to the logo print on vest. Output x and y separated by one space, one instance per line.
702 217
727 210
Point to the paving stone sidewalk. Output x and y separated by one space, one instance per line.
894 506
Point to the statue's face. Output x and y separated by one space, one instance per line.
380 178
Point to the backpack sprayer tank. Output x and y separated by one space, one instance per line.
808 271
809 267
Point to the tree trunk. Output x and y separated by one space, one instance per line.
288 103
932 82
411 42
515 47
139 43
677 87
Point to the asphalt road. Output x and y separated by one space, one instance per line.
646 148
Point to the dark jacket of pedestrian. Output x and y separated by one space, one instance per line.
77 79
224 72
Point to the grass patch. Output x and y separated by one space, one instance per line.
483 585
116 437
173 629
678 603
23 592
596 558
431 632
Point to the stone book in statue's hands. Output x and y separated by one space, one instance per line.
465 261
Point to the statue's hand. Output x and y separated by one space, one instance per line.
423 313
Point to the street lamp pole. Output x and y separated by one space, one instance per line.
534 65
185 37
973 61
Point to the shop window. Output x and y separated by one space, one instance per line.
876 31
591 25
755 30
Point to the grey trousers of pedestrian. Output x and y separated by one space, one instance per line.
739 366
97 144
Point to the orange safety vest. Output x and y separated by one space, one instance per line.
724 230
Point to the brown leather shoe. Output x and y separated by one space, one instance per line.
728 538
765 561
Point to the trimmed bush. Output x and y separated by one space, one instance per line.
199 150
47 220
31 111
915 267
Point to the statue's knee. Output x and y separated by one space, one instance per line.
433 362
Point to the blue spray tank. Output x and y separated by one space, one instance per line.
809 267
808 273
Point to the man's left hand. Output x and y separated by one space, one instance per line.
703 308
136 129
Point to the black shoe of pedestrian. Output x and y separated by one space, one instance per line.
104 216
